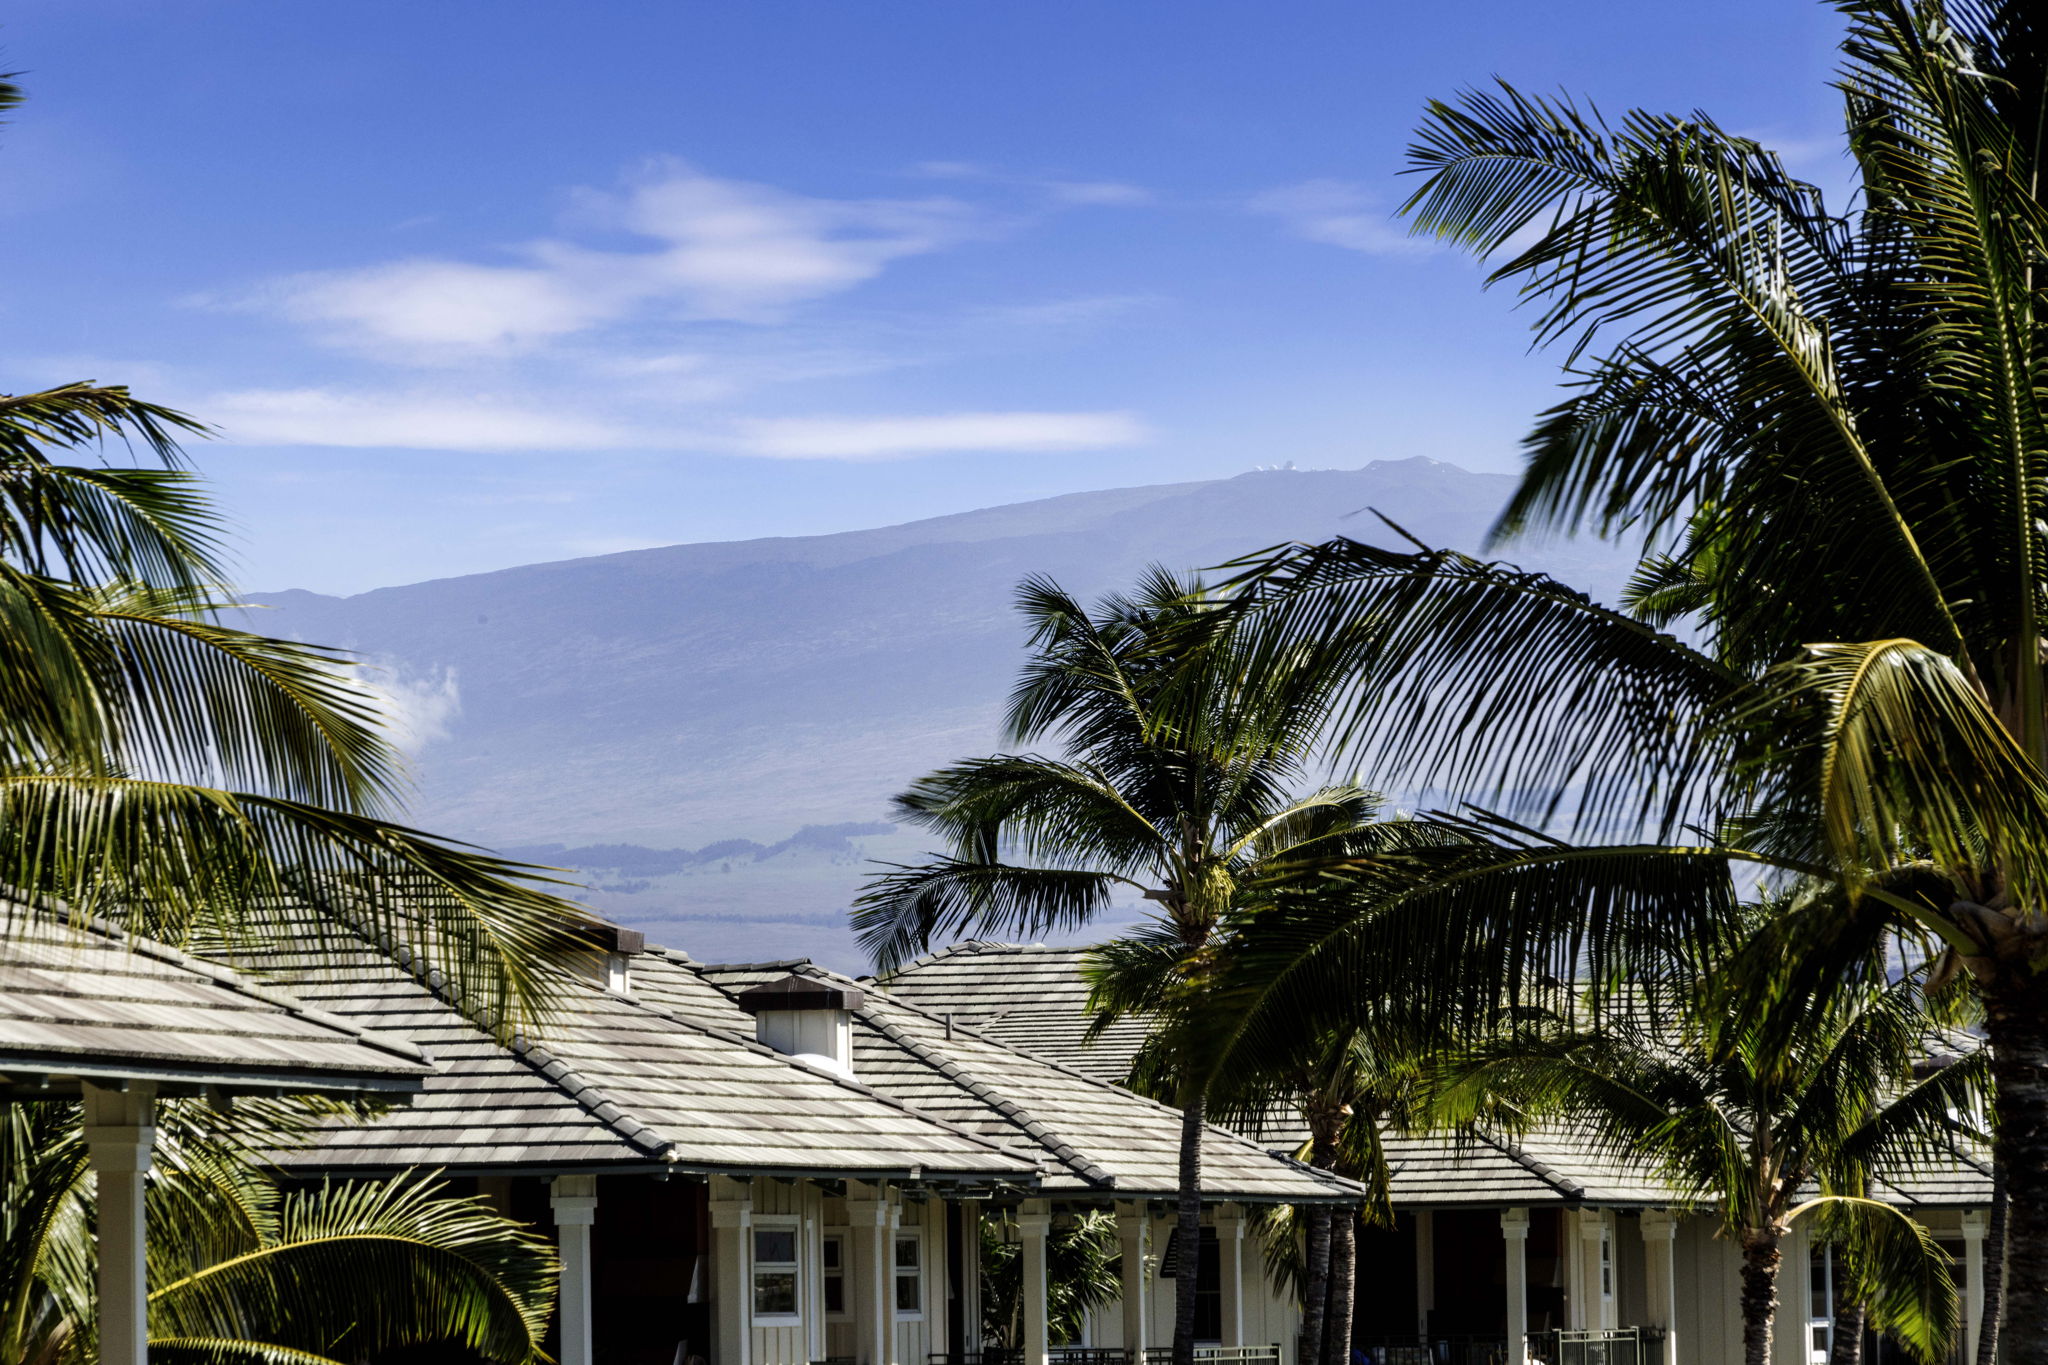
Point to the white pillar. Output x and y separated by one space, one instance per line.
1660 1265
574 1200
1133 1224
120 1130
874 1306
1230 1271
732 1302
1514 1232
1425 1269
970 1275
1579 1310
1034 1221
1974 1227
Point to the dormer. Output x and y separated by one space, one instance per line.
805 1018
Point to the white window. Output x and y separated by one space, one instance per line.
834 1253
909 1270
775 1271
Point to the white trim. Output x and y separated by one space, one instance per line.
776 1222
915 1236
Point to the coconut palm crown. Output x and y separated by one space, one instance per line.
1830 419
1198 817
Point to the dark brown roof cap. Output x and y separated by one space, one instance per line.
795 992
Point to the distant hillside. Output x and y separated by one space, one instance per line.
674 698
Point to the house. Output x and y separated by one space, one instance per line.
769 1164
89 1013
1496 1239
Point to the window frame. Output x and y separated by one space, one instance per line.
898 1273
794 1267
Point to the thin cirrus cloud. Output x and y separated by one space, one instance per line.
870 438
326 417
705 249
323 417
1338 213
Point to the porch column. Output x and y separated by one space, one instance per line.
1230 1271
1425 1269
574 1200
1034 1221
732 1301
120 1131
1514 1233
1602 1306
970 1274
1974 1227
1660 1265
874 1308
1133 1228
1572 1226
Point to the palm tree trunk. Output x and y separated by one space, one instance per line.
1188 1276
1994 1270
1848 1332
1760 1257
1315 1291
2016 1020
1343 1282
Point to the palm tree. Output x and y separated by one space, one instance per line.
1833 422
161 768
1804 1093
1197 817
247 1273
1343 1084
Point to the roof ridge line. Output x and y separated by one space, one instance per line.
1055 1064
1034 1127
535 1056
1542 1170
845 1082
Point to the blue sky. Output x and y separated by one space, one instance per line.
474 283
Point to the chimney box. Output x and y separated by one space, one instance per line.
805 1018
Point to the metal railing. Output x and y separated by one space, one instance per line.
1435 1350
1014 1355
1609 1346
1219 1355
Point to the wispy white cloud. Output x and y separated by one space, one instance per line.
1338 213
1104 192
1060 190
708 249
410 421
327 417
867 438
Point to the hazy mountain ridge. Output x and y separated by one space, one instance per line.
676 698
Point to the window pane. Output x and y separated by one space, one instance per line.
908 1299
775 1245
775 1291
906 1252
835 1294
831 1253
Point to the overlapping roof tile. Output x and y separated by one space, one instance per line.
85 1002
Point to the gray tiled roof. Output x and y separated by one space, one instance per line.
1100 1138
619 1082
83 1002
1025 994
1032 996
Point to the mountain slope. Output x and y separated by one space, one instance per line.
695 693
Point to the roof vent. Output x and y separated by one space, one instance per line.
612 968
805 1018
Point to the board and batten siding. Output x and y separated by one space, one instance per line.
798 1207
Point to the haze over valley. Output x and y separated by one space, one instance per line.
710 733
